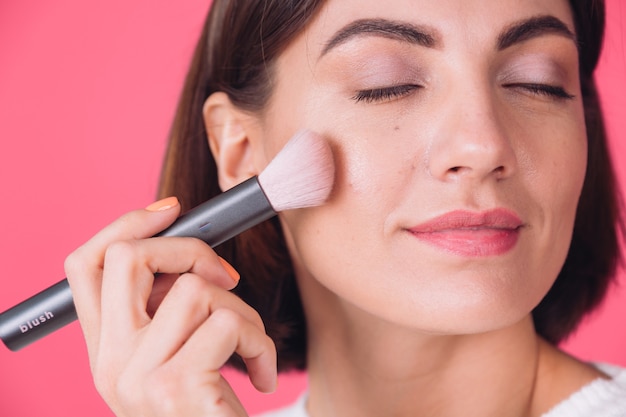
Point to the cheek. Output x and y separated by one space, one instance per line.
342 237
553 175
370 169
558 178
365 190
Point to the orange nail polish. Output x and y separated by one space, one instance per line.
163 204
234 275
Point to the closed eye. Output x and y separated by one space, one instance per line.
384 94
550 91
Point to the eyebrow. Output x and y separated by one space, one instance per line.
401 31
428 37
532 28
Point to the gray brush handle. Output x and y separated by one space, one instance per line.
38 316
214 222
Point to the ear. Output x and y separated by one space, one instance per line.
228 140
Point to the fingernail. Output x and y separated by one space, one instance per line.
232 272
163 204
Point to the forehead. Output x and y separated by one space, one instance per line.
476 23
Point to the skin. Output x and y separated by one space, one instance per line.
470 126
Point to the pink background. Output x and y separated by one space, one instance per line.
87 92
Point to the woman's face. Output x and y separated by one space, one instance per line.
460 146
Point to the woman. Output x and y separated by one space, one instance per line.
460 244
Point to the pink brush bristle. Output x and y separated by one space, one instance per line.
301 174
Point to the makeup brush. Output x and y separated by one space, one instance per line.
301 175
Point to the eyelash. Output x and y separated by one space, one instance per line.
384 94
551 91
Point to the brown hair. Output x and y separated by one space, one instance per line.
238 47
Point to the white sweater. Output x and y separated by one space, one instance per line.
600 398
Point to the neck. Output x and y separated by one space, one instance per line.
379 369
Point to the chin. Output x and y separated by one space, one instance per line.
455 309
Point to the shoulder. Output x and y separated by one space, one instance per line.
603 397
297 409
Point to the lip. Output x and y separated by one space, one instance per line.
471 234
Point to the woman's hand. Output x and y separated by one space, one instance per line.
156 346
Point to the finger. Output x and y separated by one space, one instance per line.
165 281
189 303
129 275
214 342
84 266
162 285
87 261
137 224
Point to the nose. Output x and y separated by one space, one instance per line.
472 141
